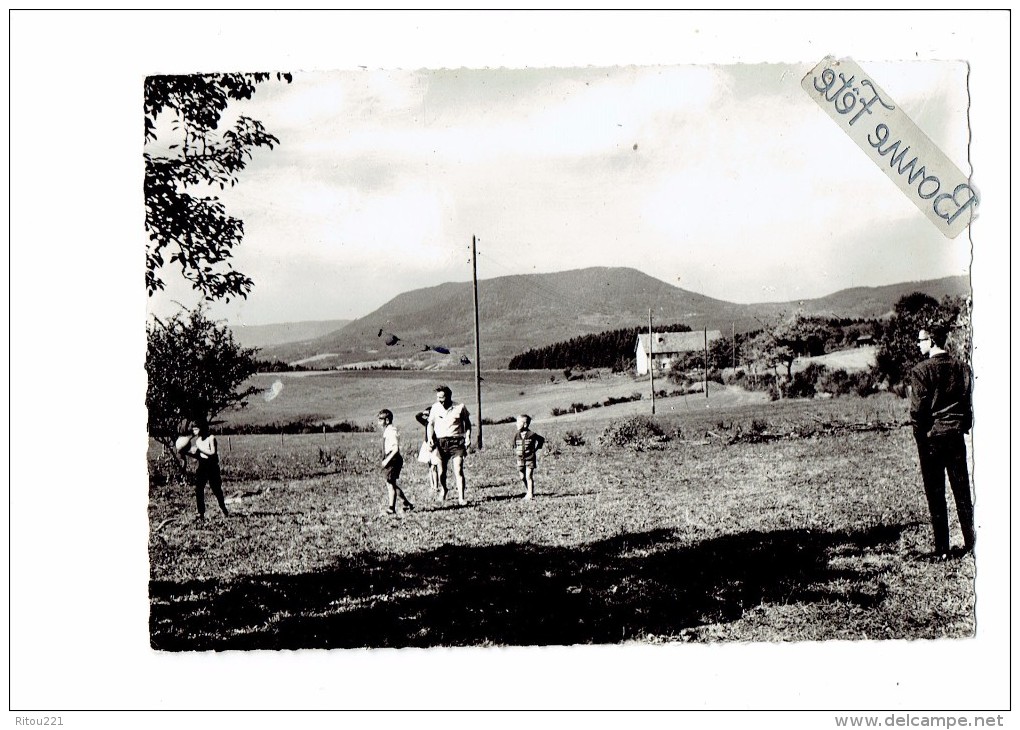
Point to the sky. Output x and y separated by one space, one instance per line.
727 180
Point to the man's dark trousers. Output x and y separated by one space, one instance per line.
940 455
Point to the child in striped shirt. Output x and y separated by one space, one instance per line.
526 445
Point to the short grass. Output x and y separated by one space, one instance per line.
817 534
853 360
357 396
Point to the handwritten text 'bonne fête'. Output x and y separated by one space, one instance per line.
862 99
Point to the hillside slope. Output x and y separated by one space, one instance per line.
269 335
525 311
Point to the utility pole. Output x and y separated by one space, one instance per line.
706 362
651 360
478 355
733 339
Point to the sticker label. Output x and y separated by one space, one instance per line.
898 146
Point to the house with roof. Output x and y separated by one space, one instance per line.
664 349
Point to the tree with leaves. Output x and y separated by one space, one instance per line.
724 352
786 338
196 371
898 351
184 226
780 342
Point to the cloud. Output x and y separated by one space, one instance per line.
730 175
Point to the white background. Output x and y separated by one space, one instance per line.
78 531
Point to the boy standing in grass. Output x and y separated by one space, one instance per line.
526 445
392 462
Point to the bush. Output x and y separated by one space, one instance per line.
836 382
840 382
638 431
864 383
612 401
295 427
573 438
766 382
498 421
804 383
735 377
165 470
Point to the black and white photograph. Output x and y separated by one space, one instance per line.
458 375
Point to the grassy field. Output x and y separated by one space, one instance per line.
743 521
853 360
357 396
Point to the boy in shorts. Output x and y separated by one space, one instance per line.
526 445
392 462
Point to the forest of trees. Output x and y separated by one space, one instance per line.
613 349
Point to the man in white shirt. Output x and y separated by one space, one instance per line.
449 431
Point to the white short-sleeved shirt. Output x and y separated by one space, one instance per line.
391 439
205 447
448 421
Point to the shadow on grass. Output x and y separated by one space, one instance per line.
519 495
627 587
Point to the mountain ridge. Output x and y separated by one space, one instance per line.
522 311
268 335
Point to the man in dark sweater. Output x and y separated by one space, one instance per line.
940 410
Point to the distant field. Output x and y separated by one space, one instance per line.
853 360
811 530
357 396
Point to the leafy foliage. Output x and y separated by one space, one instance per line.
195 371
278 366
783 341
898 351
196 230
804 383
637 432
300 426
574 438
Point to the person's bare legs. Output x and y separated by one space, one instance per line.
442 470
457 463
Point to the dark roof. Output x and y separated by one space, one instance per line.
667 342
